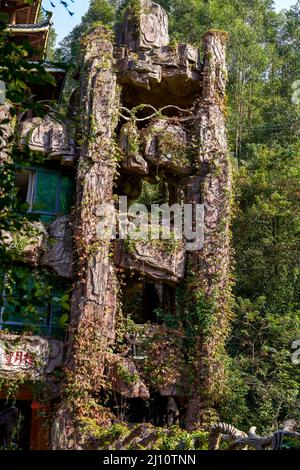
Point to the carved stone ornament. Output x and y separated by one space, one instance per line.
146 28
153 25
59 255
50 137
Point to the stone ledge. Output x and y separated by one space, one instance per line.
152 259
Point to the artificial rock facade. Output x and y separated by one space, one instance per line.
151 114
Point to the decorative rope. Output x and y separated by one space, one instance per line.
132 113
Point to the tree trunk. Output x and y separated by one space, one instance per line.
94 297
208 286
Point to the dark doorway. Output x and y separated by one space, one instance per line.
151 302
136 410
141 300
21 434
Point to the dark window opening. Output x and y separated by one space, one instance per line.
154 191
136 410
15 428
47 192
141 300
151 303
129 185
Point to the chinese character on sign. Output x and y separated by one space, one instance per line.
28 360
9 358
19 358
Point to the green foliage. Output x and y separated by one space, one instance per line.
19 76
152 193
266 238
267 226
263 125
105 436
167 318
175 439
263 61
12 444
100 12
131 134
164 363
12 385
179 439
126 376
290 444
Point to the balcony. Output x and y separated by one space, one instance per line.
158 260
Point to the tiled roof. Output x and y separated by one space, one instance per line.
37 26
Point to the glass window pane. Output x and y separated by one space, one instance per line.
47 219
58 295
33 303
12 313
15 296
46 192
66 194
20 302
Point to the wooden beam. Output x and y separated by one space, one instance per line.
29 11
13 18
11 10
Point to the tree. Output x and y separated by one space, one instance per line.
100 11
266 239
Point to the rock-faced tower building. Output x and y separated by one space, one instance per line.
148 317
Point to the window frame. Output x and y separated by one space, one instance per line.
33 186
45 329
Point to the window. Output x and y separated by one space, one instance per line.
46 192
33 302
